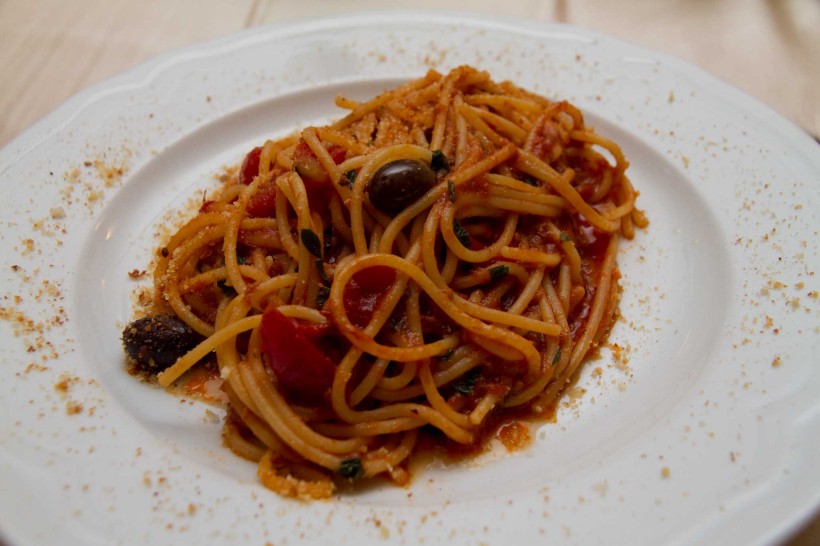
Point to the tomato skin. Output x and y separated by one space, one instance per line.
302 370
250 166
364 292
317 184
338 153
263 202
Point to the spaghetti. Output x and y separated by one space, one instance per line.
437 261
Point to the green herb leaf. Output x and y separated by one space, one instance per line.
498 271
351 468
320 267
311 242
322 296
466 384
557 356
462 234
447 355
451 190
240 259
439 162
351 177
565 237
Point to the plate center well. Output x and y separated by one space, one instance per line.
676 294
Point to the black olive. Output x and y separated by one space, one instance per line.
154 343
400 183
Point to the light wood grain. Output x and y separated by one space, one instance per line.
51 49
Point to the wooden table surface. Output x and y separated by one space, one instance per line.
51 49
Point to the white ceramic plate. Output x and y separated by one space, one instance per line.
708 434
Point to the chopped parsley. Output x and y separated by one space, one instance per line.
498 271
350 176
351 468
565 237
311 242
462 234
465 384
557 356
439 162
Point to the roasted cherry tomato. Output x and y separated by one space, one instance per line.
364 293
302 369
263 202
250 166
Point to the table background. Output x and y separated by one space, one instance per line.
51 49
